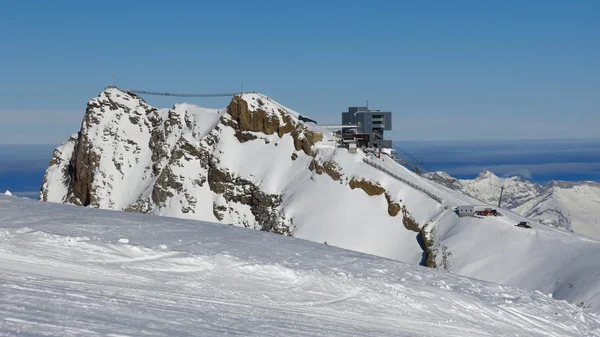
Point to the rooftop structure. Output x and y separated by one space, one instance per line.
367 126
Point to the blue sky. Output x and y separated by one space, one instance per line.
446 69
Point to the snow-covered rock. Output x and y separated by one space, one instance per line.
257 164
573 206
253 164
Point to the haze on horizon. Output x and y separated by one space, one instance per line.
448 71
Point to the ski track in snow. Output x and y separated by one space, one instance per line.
65 273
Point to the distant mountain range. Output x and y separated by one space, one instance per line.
574 206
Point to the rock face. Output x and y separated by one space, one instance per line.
253 164
568 205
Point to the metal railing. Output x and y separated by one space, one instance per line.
407 182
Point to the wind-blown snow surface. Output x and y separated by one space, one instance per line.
571 205
67 271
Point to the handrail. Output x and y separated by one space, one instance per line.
409 183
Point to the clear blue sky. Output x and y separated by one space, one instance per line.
446 69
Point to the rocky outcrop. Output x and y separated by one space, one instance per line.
163 144
81 170
178 162
427 241
394 207
247 121
329 167
58 169
408 221
368 187
264 207
436 255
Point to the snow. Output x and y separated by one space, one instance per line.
568 205
7 193
181 277
54 173
319 208
576 203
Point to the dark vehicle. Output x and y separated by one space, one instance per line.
523 224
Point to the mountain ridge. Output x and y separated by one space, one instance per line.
248 161
256 164
573 206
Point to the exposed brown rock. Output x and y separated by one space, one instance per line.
330 167
259 120
428 245
313 137
262 205
408 221
256 121
286 128
393 207
369 187
81 169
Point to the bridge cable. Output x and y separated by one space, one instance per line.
156 93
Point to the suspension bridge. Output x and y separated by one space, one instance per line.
172 94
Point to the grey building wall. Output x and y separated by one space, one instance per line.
353 115
347 118
364 122
367 120
387 118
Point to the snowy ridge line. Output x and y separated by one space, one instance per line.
413 185
284 108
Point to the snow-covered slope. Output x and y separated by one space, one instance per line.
256 164
253 164
573 206
122 274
